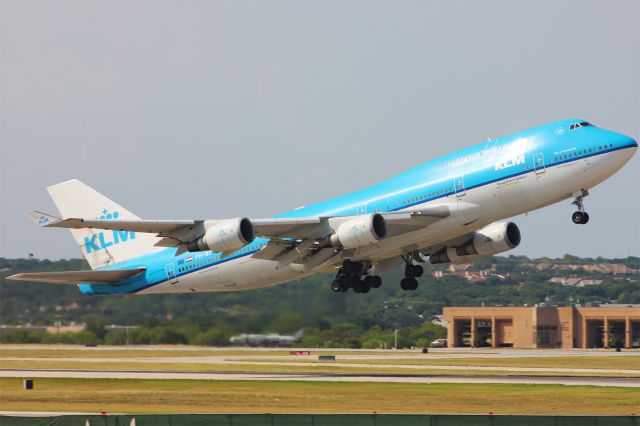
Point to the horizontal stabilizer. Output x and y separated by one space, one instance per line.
77 277
41 219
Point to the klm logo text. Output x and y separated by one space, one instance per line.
105 240
102 241
510 162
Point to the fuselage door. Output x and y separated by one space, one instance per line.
538 162
458 186
171 273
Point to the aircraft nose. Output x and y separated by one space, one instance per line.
628 144
631 143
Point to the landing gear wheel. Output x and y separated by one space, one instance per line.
348 267
580 217
358 286
410 271
409 284
419 271
373 281
413 284
343 281
405 284
585 218
368 280
335 286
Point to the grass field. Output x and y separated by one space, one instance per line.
201 396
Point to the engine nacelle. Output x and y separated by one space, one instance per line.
360 231
225 236
492 239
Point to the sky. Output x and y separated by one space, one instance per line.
218 109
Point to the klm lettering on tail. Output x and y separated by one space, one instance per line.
117 237
100 242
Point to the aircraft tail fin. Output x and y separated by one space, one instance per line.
299 334
100 247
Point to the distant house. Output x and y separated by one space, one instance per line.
462 271
604 268
575 281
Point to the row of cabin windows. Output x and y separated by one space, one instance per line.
582 152
418 198
524 167
199 264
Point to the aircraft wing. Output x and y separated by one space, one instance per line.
267 228
77 277
402 222
284 233
302 228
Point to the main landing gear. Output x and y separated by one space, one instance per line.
411 272
580 217
351 275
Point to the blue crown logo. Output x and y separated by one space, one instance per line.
108 216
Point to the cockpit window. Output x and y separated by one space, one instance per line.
578 125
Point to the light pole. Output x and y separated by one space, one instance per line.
395 339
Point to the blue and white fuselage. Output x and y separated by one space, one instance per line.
474 188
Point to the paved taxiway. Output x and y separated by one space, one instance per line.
321 377
275 361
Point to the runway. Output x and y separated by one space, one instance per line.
343 352
362 364
627 382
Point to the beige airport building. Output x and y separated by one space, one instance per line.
605 326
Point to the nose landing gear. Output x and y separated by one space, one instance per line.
580 217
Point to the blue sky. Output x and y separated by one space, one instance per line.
226 108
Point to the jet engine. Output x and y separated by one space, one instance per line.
360 231
228 235
492 239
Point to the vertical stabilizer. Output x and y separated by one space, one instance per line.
100 247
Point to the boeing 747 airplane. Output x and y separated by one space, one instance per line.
451 209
